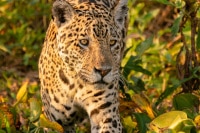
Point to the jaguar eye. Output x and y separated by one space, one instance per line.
113 42
83 42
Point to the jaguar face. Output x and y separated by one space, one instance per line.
91 46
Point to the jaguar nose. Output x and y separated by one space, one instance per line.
103 72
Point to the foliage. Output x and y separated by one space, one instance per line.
160 70
22 31
174 121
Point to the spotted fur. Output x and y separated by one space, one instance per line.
80 61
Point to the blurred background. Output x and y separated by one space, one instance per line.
160 69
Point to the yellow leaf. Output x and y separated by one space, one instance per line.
44 122
167 119
143 103
197 120
129 122
22 93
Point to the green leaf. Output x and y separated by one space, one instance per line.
35 108
140 69
138 84
179 4
142 120
33 88
141 48
170 90
186 101
8 129
128 67
167 92
176 26
2 131
184 126
166 2
133 64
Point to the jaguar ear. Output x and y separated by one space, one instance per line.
62 12
120 13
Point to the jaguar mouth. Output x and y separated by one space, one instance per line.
101 82
88 81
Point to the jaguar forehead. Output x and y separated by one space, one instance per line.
100 29
106 3
91 1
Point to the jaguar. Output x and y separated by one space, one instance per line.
79 66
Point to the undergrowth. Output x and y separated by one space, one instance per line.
160 69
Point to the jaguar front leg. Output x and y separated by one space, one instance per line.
105 118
